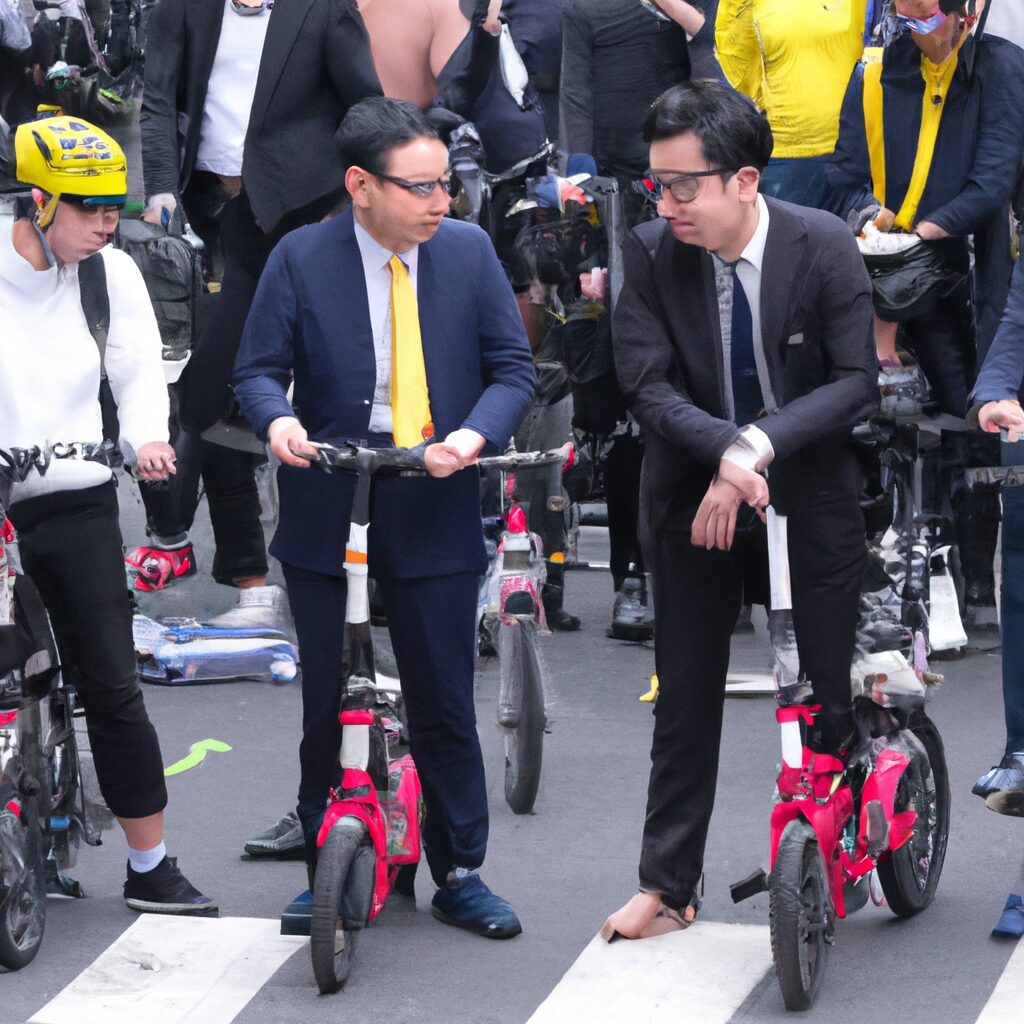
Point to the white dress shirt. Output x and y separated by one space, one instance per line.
230 92
378 299
753 450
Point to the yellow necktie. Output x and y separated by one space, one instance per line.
410 400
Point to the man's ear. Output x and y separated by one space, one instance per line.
356 185
748 179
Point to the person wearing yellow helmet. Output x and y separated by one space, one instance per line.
71 160
67 518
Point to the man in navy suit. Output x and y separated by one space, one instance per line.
323 316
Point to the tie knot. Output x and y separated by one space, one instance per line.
397 266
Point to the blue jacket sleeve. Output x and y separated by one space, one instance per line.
505 357
1003 369
267 351
849 171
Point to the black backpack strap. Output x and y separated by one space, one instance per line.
92 283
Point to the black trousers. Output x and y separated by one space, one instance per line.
697 597
230 486
432 625
71 547
622 465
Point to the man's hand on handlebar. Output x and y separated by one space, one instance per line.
1006 414
290 443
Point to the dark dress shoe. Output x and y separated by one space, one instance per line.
1008 774
467 903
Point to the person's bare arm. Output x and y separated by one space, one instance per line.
689 18
450 27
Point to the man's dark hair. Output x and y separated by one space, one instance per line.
732 131
375 126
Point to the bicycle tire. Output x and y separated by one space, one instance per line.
331 940
524 742
22 896
910 875
800 915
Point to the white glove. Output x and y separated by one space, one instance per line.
156 205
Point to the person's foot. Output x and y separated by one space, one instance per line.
552 594
1007 775
1011 921
165 890
257 608
283 840
645 916
155 568
465 902
632 616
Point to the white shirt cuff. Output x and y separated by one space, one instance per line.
752 451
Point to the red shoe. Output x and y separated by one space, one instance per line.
156 568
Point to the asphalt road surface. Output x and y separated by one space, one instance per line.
564 867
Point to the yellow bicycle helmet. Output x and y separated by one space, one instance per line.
70 159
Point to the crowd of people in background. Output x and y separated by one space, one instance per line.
908 114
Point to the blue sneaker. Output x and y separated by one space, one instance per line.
1011 924
467 903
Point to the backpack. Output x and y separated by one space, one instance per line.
171 267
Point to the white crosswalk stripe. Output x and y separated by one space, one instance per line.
1006 1004
169 970
700 975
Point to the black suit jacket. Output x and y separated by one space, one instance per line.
316 64
817 331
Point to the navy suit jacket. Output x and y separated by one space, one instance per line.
1003 369
310 319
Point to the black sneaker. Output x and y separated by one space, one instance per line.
165 890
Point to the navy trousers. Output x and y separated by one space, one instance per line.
432 622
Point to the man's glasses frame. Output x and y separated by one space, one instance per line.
684 187
423 189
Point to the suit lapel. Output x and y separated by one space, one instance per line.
783 260
208 18
286 21
433 354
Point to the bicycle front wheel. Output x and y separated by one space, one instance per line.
22 887
801 915
522 689
332 934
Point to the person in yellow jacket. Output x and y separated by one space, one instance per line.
794 58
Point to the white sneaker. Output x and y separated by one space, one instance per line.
256 607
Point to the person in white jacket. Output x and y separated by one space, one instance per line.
67 517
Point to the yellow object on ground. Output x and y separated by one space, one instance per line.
652 694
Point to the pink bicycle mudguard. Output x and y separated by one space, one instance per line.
402 812
881 785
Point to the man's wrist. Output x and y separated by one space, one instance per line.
277 426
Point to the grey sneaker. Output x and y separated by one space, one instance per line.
283 840
257 607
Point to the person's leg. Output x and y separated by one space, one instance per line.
318 607
1012 614
233 498
434 652
696 601
828 558
93 628
622 466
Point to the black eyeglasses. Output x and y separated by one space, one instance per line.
684 187
420 188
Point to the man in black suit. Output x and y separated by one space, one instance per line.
238 118
743 339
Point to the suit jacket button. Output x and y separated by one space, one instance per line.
366 401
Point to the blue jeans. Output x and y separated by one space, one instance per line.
799 180
1012 604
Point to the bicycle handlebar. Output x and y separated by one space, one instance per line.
527 460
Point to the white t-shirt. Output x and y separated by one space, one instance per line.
230 92
50 364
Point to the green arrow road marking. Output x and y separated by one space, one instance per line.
195 755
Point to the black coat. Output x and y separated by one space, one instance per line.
316 64
817 331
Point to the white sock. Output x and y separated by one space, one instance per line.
145 860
